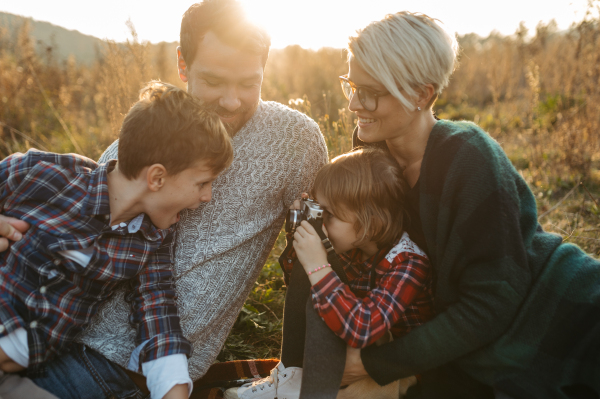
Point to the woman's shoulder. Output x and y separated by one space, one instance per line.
459 134
463 145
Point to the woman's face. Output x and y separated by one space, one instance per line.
389 121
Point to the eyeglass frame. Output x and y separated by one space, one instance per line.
355 88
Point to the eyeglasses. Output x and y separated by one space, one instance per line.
367 97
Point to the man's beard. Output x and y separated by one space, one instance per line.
231 127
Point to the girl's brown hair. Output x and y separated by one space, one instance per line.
368 183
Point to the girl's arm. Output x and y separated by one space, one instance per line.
361 321
311 253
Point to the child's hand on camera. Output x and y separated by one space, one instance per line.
308 246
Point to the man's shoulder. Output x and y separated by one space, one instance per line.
282 115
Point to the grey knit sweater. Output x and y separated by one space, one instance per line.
222 246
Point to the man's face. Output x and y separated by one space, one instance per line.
225 79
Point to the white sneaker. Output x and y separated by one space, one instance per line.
283 383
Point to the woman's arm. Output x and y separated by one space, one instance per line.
479 218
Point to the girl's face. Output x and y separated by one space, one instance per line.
389 121
341 232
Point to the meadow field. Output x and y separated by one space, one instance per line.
536 92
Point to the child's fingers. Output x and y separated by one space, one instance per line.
295 205
308 228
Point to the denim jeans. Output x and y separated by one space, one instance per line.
83 373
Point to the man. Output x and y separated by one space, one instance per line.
221 246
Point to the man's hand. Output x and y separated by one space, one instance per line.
11 229
354 369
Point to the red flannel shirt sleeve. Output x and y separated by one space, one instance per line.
154 308
362 321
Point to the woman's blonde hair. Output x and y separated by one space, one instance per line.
367 183
404 52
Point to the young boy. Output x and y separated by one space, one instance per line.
96 226
389 276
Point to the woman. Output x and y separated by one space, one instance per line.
518 311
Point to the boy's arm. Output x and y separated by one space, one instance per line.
159 337
362 321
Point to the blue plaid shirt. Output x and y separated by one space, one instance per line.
65 199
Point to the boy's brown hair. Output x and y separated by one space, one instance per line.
368 183
168 126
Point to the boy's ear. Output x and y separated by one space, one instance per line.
156 176
181 66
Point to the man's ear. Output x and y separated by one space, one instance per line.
155 177
181 66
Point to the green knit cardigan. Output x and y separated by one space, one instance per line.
517 309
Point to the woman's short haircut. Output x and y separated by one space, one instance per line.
404 52
228 21
366 183
169 127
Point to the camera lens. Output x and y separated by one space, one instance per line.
293 220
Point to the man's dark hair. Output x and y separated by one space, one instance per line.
227 20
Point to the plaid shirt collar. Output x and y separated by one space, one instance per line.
352 257
97 203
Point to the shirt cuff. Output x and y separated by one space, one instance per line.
164 373
15 346
324 287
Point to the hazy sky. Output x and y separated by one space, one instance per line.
310 23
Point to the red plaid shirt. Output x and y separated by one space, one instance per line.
65 199
401 299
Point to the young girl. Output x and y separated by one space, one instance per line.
389 276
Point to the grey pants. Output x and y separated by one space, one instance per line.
309 343
13 386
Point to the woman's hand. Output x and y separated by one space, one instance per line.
354 369
308 246
11 229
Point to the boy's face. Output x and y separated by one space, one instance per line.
341 232
185 190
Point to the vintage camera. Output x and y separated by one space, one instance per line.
310 211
